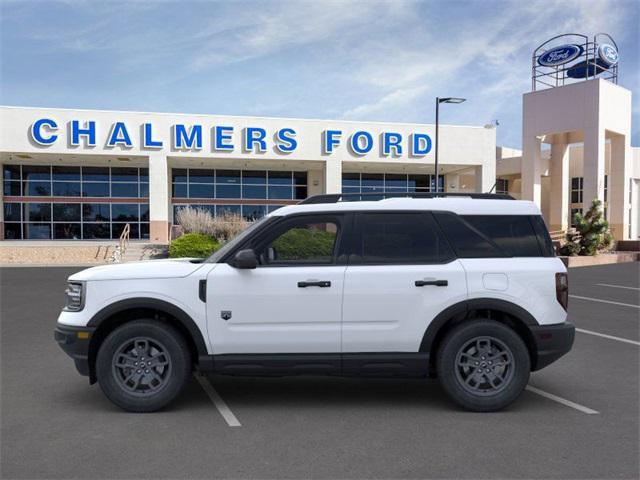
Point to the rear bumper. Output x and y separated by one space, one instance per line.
552 342
75 343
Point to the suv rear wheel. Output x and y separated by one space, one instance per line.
483 365
143 365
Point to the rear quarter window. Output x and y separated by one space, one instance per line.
513 234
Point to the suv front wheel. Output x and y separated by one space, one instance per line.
483 365
143 365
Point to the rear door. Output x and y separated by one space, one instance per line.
401 274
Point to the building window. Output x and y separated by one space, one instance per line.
389 183
576 189
502 186
231 191
98 202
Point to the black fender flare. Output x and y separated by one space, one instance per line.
460 310
155 304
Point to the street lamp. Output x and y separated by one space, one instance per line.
438 102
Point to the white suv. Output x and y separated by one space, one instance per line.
463 288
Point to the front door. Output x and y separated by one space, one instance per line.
292 302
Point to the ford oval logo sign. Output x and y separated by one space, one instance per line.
608 54
560 55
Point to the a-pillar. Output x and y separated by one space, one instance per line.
559 195
332 176
593 164
159 199
532 169
618 188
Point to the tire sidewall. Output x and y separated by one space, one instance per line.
176 347
446 364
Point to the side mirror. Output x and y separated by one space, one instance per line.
245 259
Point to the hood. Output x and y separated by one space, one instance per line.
174 268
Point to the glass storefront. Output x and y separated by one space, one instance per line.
69 202
390 182
221 190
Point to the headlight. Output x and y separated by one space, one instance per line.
74 298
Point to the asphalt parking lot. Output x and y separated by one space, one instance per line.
580 419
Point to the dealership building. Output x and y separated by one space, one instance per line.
85 174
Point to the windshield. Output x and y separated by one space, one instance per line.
230 245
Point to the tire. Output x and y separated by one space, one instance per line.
138 385
483 365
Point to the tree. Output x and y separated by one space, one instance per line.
592 233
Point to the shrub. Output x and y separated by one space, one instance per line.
592 233
223 227
299 243
195 245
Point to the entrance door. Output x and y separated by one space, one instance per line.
290 303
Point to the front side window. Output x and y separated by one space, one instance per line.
302 241
399 238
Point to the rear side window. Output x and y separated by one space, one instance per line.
399 238
514 234
544 239
467 241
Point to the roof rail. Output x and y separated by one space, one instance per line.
372 196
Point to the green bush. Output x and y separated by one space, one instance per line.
592 233
302 243
195 245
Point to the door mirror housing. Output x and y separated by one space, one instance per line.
245 259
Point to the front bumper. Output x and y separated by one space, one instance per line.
75 342
552 342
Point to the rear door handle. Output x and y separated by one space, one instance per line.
314 283
437 283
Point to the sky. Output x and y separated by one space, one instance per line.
345 60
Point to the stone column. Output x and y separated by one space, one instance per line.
618 188
485 176
315 180
559 169
531 169
593 164
159 198
332 176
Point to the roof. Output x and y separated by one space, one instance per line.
460 205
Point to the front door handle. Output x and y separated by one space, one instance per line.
314 283
437 283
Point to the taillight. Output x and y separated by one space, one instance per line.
562 289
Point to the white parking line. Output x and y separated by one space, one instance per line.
610 337
616 286
217 400
563 401
604 301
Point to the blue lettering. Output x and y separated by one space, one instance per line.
222 136
186 139
330 140
421 144
119 136
147 138
37 134
356 145
286 141
391 140
253 136
89 131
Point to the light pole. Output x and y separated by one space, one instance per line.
438 102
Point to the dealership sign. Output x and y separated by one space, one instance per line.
560 55
608 54
222 138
